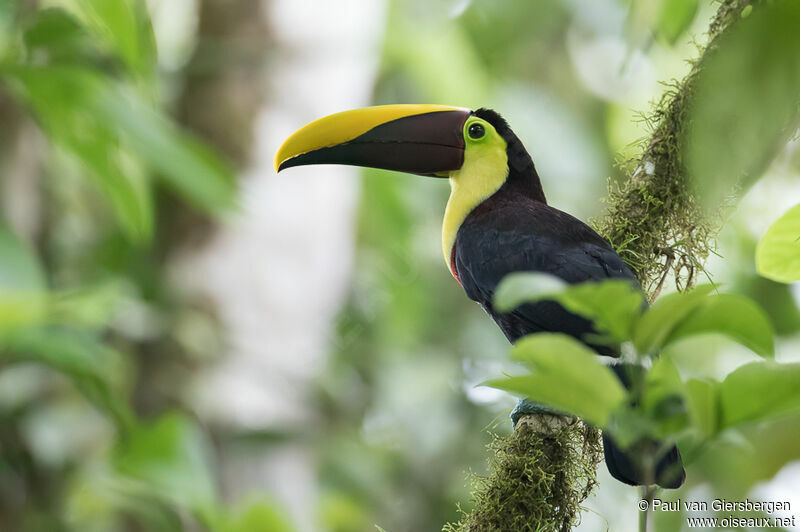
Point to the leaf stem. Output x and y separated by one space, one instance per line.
644 515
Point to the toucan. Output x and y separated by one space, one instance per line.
496 222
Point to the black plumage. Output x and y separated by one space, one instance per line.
515 230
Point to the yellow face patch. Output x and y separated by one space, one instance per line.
484 171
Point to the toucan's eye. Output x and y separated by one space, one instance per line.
476 131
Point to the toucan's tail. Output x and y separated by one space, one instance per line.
624 466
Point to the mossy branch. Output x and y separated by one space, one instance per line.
653 219
541 473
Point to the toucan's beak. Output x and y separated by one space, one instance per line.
418 139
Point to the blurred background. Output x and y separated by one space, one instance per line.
193 342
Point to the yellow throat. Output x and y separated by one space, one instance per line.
484 171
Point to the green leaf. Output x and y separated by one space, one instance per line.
613 305
59 36
778 252
774 298
113 132
663 379
566 375
7 16
675 18
663 400
171 456
124 25
655 325
734 316
90 307
22 283
630 425
524 287
96 370
96 497
702 401
63 98
19 268
185 164
736 128
68 350
759 391
740 458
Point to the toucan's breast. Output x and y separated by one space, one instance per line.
512 232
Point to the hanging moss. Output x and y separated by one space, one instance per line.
653 219
538 477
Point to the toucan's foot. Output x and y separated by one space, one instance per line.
526 407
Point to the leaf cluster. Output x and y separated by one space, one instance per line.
658 403
87 71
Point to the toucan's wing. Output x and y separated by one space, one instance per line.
514 238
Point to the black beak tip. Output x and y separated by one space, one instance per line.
288 163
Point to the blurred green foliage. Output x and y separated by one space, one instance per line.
85 70
736 132
675 18
96 344
778 252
